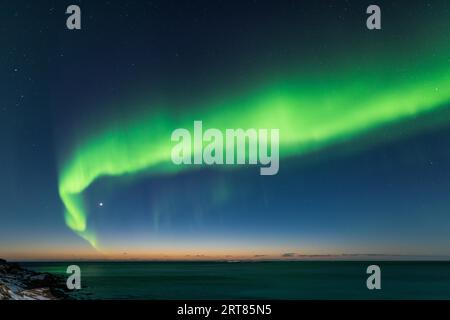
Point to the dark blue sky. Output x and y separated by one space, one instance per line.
387 196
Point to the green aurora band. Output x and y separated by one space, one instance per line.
312 111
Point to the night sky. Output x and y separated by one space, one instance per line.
86 118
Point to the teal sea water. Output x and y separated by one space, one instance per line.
255 280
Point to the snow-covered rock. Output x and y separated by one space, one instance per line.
17 283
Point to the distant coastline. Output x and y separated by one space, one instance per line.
286 257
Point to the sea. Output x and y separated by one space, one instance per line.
290 280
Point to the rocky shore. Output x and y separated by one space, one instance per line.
17 283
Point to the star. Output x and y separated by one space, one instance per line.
100 204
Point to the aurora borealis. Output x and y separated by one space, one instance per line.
313 71
310 115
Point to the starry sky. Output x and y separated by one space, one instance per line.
86 118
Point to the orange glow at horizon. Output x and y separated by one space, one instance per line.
60 253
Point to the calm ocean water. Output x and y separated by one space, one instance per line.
255 280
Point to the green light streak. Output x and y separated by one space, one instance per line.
312 112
